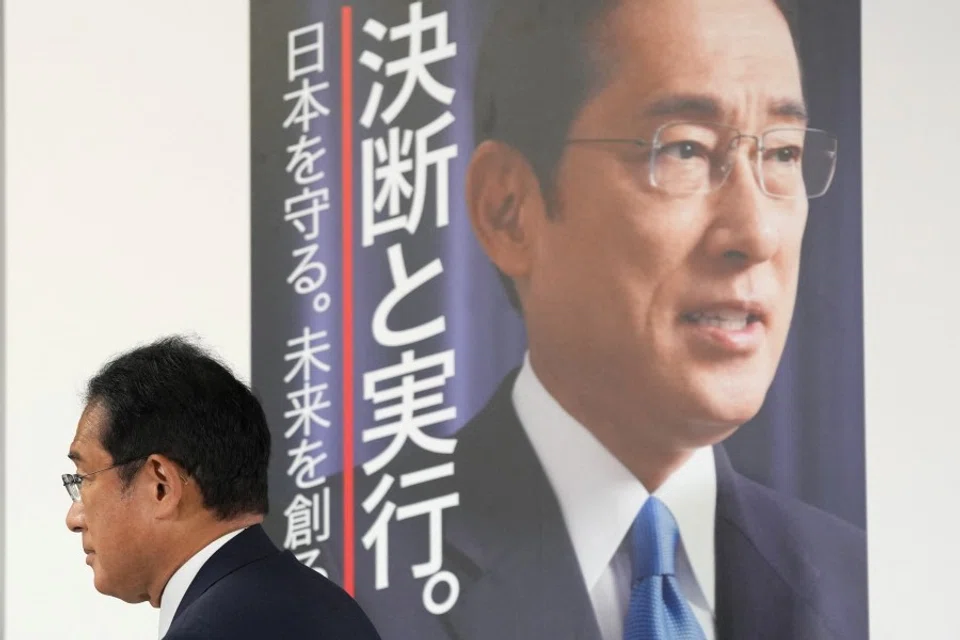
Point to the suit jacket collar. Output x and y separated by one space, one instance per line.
510 534
247 547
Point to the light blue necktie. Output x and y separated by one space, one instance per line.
658 610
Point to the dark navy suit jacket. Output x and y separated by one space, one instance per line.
785 571
250 589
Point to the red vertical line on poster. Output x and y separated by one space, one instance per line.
346 112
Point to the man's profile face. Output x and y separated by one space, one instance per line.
111 525
625 278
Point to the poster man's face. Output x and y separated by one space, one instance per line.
680 304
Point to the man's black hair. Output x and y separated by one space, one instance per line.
173 398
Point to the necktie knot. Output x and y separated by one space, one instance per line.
658 609
655 535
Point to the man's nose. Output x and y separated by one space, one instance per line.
747 225
75 521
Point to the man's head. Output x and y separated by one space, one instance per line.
639 247
178 449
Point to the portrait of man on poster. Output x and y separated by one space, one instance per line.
641 181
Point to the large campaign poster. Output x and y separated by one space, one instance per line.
381 327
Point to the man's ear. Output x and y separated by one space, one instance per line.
505 206
166 483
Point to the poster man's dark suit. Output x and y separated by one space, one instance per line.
784 571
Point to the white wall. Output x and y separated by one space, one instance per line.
127 217
912 298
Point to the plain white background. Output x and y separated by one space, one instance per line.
127 217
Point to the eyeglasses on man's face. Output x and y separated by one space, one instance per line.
688 158
73 481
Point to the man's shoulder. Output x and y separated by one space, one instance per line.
822 557
479 463
479 445
801 524
276 596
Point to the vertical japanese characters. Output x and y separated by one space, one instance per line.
404 119
308 412
408 396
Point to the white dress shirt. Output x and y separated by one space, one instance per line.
178 583
599 499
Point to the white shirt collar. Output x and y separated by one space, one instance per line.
599 498
179 582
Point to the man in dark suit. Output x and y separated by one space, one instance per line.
641 182
170 490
